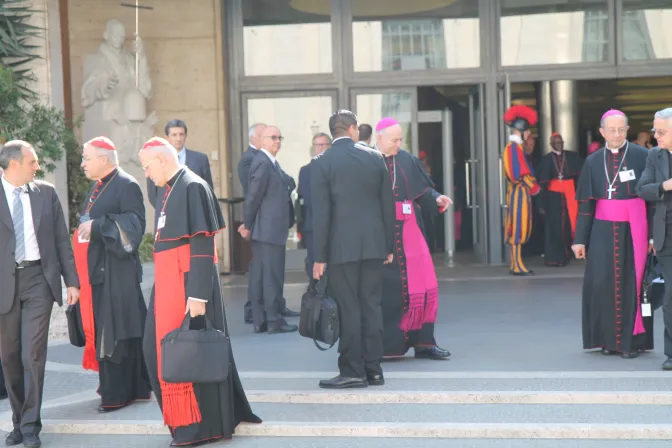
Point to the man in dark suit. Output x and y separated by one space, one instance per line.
176 134
321 142
655 186
267 221
35 252
254 276
354 223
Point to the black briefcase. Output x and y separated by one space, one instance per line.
319 315
195 356
75 328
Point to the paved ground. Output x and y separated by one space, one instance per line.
506 334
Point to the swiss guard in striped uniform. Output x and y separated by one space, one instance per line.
521 185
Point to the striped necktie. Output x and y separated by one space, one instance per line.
17 217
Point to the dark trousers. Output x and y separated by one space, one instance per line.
269 265
24 332
310 258
3 389
255 291
357 288
665 259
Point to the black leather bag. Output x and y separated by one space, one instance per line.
652 293
195 356
75 327
319 315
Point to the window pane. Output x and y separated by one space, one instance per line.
370 108
281 40
298 119
550 33
418 35
646 30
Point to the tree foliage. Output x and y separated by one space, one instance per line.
16 49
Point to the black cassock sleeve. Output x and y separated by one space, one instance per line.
587 200
199 280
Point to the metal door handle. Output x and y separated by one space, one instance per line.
501 183
467 170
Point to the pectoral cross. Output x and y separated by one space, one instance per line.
610 190
560 176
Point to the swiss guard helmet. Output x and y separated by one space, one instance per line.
520 117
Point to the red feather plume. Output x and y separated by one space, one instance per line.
521 111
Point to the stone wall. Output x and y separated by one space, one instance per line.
183 42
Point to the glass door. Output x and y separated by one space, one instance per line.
475 174
401 104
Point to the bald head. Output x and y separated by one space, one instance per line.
390 139
159 160
271 139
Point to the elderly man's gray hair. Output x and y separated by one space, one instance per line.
252 130
12 150
665 114
321 134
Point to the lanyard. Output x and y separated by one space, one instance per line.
170 191
560 169
92 200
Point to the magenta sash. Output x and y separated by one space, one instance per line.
423 289
632 211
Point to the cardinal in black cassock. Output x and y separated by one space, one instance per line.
187 276
557 174
612 234
113 310
410 290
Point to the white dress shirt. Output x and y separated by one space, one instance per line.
32 249
182 156
270 156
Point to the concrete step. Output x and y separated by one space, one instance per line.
455 421
133 441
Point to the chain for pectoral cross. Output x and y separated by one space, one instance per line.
611 188
560 168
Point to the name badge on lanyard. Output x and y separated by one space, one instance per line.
406 208
626 176
162 221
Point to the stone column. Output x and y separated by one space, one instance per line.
558 105
545 112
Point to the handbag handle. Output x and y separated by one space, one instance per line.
186 323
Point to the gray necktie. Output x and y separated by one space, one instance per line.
20 252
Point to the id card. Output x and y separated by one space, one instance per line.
162 222
626 176
406 208
646 310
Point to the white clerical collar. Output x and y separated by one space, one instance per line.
557 153
516 138
339 138
270 156
615 151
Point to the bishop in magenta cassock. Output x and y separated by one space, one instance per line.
612 235
410 290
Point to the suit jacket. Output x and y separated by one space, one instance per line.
354 213
196 162
266 209
650 188
53 240
244 167
305 194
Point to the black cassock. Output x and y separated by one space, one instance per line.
115 273
412 183
610 286
557 227
192 218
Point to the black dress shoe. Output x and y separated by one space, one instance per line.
283 329
606 352
261 328
434 352
375 380
249 321
522 273
105 409
32 441
343 382
289 313
14 438
632 355
667 365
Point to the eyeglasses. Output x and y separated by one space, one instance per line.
658 132
320 145
86 160
616 131
275 137
144 168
